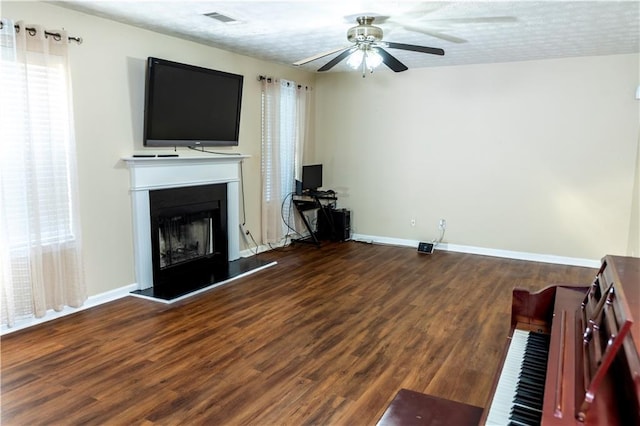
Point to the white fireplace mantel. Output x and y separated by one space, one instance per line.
151 173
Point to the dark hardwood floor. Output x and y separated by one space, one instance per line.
327 337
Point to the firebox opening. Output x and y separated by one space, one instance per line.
187 237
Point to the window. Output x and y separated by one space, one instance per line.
39 227
283 132
36 165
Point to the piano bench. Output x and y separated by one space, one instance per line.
419 409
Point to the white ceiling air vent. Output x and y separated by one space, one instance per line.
220 17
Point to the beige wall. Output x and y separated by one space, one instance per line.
108 81
536 157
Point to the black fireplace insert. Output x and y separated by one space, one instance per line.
188 236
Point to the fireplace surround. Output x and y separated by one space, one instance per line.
153 176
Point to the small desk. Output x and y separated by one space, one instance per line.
320 200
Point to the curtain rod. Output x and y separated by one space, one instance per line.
56 36
269 79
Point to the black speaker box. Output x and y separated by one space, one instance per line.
342 224
334 224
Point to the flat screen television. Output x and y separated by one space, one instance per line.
311 177
186 105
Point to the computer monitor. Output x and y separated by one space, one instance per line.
312 177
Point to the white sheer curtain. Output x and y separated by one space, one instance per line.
284 117
40 241
302 118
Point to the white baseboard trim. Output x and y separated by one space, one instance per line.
507 254
91 302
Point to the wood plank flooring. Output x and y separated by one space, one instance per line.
325 337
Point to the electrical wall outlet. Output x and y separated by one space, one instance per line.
443 224
244 229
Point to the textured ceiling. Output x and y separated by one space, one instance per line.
469 32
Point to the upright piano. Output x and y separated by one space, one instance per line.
571 356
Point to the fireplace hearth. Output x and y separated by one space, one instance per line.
219 273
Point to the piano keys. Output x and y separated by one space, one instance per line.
520 391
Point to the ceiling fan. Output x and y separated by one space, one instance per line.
368 51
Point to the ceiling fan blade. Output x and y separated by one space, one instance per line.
423 10
435 34
348 51
319 55
478 20
414 48
390 61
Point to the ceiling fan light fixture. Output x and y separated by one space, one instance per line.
355 59
365 58
373 58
